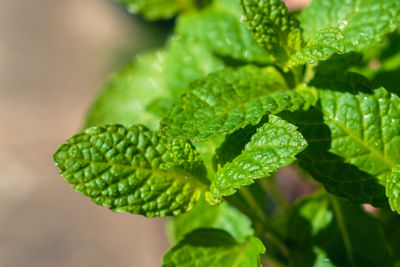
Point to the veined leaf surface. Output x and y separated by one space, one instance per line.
132 169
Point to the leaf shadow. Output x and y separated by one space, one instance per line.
338 177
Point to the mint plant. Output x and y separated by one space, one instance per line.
198 130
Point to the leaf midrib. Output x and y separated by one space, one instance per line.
348 131
184 177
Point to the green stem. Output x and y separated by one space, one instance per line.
309 73
261 224
343 230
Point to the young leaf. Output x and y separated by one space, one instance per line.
158 9
132 169
341 231
219 28
229 100
362 22
274 145
224 217
128 93
210 247
273 27
393 189
320 47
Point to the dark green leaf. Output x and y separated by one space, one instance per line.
326 230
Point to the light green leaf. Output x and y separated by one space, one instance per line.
132 169
158 9
362 22
210 247
319 48
219 28
327 231
393 189
224 217
128 93
274 145
187 60
273 27
229 100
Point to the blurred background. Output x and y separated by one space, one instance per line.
54 56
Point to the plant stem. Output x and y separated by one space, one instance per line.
261 223
309 73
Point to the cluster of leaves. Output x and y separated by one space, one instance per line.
243 88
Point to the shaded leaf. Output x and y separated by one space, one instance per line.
326 231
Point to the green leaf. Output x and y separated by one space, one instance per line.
362 22
224 217
219 28
273 27
365 126
319 48
393 189
339 178
158 9
209 247
354 137
326 230
229 100
274 145
126 96
132 169
187 60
